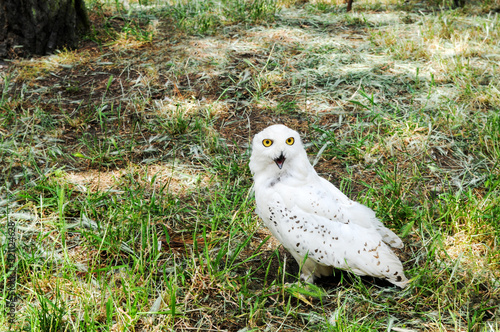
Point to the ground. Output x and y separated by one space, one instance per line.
126 175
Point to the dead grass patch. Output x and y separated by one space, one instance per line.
178 179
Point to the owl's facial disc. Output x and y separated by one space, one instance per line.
280 160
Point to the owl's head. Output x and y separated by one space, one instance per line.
277 149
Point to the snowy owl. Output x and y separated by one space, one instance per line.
319 225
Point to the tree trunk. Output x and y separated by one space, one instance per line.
30 27
349 5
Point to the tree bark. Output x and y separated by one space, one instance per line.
29 27
349 5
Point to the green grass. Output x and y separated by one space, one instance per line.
125 169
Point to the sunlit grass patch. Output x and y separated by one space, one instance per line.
128 40
35 68
473 82
438 37
206 17
474 257
68 58
211 50
178 179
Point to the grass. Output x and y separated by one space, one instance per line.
125 165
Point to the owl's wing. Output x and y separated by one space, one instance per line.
346 246
324 199
363 216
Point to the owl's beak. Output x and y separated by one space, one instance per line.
280 160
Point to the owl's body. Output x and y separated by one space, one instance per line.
320 226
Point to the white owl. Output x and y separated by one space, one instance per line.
319 225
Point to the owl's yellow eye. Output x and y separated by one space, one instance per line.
290 141
267 142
